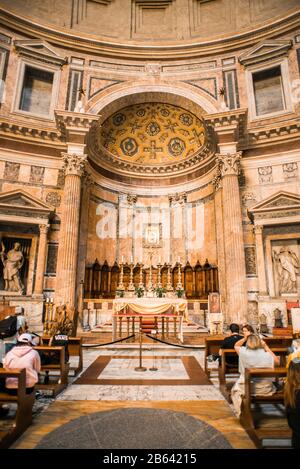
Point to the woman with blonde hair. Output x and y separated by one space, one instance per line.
292 400
256 354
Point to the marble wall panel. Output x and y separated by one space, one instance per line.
24 173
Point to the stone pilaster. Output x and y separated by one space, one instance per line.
261 269
236 290
68 245
41 260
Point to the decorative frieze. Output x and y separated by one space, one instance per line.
37 174
11 171
290 170
60 178
53 198
265 174
131 199
250 258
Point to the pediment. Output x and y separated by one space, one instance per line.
264 51
39 49
281 202
20 198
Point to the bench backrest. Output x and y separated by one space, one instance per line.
213 344
74 344
18 373
48 349
251 373
278 341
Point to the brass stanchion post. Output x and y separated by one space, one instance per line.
140 367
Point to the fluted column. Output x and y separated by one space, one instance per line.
236 290
68 245
41 260
220 242
261 269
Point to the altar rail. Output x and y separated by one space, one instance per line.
99 312
101 280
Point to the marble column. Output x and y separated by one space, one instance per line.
41 260
261 269
236 289
87 183
68 244
220 243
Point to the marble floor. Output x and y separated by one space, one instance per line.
144 392
203 401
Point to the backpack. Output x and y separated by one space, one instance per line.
8 327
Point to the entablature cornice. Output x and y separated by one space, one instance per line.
270 134
70 123
25 129
90 44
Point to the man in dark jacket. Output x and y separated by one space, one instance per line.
228 343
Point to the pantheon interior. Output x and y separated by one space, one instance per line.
149 151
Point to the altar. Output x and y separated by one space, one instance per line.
175 308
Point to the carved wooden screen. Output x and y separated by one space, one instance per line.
126 276
136 276
175 276
102 281
199 287
88 281
164 276
96 281
115 272
188 281
104 291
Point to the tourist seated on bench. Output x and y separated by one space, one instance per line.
17 325
59 338
256 354
230 341
294 351
292 400
23 356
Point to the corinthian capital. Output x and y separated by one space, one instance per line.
229 164
178 199
74 164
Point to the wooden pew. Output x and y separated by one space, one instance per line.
257 428
278 341
23 416
212 346
61 378
75 350
226 370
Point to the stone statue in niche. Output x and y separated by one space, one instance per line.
12 261
277 318
287 265
80 105
263 328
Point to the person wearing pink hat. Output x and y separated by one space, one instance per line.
23 356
